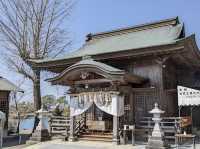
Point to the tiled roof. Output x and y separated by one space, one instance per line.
131 38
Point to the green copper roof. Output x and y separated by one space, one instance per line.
89 65
6 85
91 62
128 39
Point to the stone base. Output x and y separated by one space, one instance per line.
5 132
40 136
30 142
72 139
156 143
153 147
116 141
62 137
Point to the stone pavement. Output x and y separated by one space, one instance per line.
16 147
59 144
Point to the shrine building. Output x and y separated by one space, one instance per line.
115 78
6 87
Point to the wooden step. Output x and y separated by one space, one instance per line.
95 139
98 133
58 132
104 137
54 137
96 136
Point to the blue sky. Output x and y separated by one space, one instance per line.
90 16
100 15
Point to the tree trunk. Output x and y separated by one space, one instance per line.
18 123
36 96
36 90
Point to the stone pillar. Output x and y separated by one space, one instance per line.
72 135
41 132
116 138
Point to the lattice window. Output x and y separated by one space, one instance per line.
144 102
3 105
127 107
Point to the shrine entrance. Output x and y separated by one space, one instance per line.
94 113
96 96
97 121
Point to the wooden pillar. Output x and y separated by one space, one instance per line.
72 129
162 96
116 138
132 108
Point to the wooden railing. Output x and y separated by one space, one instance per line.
59 126
169 125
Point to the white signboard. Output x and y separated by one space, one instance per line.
188 96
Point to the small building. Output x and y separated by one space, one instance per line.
116 76
6 87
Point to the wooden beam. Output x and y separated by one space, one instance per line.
140 52
92 81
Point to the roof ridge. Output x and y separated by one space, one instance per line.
155 24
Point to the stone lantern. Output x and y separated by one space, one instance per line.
41 132
156 139
2 123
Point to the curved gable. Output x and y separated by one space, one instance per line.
83 70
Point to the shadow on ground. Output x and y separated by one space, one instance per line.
14 140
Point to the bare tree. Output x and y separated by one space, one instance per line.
33 30
16 99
